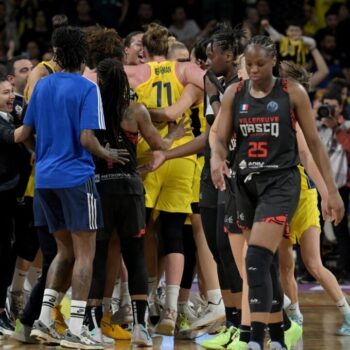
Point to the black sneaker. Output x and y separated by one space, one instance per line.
6 326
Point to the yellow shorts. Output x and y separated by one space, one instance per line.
30 186
306 215
169 188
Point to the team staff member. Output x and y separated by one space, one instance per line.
159 83
65 179
265 168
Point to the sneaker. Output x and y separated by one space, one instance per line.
115 304
213 313
345 327
153 313
237 345
292 335
140 336
113 331
2 337
15 303
123 315
277 346
221 340
82 341
252 345
45 334
22 333
187 311
6 326
298 319
166 325
97 335
59 320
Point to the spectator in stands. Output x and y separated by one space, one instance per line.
185 30
84 16
334 134
111 13
332 20
328 48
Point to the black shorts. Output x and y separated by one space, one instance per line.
74 209
208 195
125 213
267 197
230 220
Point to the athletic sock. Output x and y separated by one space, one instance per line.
286 321
77 313
106 305
233 316
18 280
277 332
343 306
32 277
139 308
124 294
257 333
214 296
244 334
172 294
49 302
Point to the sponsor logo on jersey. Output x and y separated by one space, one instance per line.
272 106
260 125
244 108
243 165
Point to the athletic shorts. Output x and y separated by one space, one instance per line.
197 179
270 197
230 220
306 215
208 197
74 209
169 188
125 213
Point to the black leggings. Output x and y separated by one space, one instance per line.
190 257
7 257
48 247
219 245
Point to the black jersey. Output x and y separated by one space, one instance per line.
129 181
209 115
265 128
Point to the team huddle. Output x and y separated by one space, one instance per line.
154 161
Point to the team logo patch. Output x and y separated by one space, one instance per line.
272 106
244 108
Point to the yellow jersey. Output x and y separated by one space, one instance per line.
161 90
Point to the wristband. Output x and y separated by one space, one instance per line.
214 98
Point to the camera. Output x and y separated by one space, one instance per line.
325 111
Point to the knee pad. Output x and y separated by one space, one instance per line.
258 264
277 291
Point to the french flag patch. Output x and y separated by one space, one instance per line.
244 107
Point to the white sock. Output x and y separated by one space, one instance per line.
116 289
124 294
77 313
32 277
172 294
106 305
343 306
214 296
293 309
286 301
49 302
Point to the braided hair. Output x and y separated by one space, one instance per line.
70 48
265 42
112 78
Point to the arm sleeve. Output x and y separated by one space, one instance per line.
92 117
6 135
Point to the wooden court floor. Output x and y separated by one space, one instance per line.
321 321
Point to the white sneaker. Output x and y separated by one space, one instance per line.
213 313
187 311
82 341
166 325
123 315
140 336
97 335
